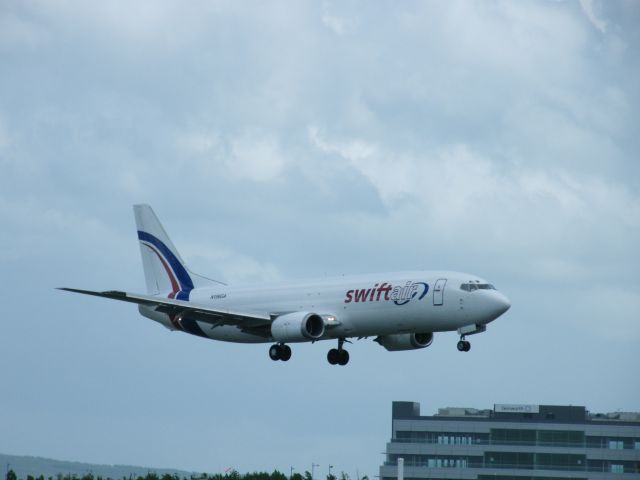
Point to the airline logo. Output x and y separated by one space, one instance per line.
400 295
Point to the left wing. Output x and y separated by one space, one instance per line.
216 317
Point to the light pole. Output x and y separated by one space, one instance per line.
330 467
313 470
290 473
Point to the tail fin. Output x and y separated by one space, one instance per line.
164 270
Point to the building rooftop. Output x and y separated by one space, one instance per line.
517 412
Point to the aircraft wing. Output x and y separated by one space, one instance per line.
172 306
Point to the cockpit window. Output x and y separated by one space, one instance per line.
471 286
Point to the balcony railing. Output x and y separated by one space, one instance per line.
567 468
507 443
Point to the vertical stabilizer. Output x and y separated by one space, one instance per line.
164 270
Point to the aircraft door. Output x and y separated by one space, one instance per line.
438 291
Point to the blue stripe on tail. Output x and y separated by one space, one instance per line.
186 284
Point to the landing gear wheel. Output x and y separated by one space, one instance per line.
285 352
344 357
467 346
275 352
333 357
338 356
463 346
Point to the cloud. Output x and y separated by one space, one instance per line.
619 306
5 138
290 139
514 208
250 155
589 8
19 31
256 157
47 230
340 25
199 142
225 264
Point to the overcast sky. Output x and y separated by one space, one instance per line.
281 140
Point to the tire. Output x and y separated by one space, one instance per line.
344 357
285 352
461 346
333 356
275 352
467 346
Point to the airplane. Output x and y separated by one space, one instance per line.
401 310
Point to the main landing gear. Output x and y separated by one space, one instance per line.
338 356
280 351
463 345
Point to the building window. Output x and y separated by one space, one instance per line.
445 462
561 437
453 439
509 460
550 461
521 477
636 445
512 436
616 444
617 468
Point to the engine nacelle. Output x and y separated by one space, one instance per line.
405 341
297 326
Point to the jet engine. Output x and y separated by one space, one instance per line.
297 327
405 341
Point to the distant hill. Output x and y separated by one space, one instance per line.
24 466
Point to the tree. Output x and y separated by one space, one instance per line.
11 475
276 475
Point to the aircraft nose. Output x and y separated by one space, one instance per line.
501 304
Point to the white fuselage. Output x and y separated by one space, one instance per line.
355 306
402 310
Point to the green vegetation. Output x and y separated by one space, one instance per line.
232 475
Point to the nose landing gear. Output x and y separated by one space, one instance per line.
280 351
338 356
463 345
